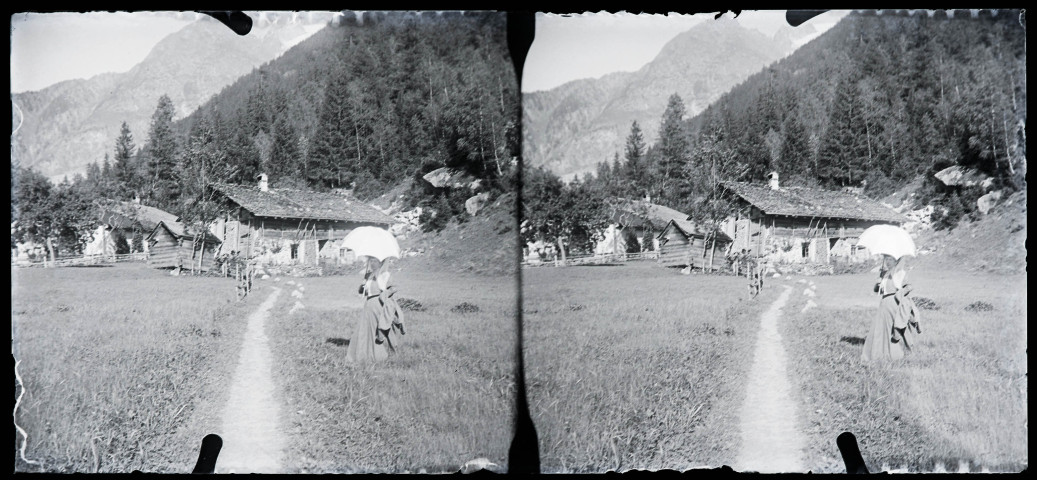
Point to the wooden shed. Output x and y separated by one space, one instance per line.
170 245
682 243
285 226
644 218
802 225
125 220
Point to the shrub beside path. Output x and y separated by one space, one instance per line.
771 441
252 439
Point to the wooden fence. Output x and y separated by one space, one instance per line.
82 260
592 259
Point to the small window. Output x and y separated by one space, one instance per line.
295 251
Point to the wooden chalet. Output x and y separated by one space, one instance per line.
796 224
171 245
126 219
282 226
682 243
646 219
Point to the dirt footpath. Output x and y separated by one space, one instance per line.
771 441
252 436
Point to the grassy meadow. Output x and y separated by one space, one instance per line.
121 366
636 366
127 368
960 396
447 396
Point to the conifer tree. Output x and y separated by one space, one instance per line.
125 168
160 156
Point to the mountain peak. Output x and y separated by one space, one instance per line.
569 129
71 124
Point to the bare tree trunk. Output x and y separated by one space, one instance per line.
50 248
1004 122
493 139
356 130
867 132
993 142
561 249
193 252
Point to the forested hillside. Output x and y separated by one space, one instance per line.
570 128
875 102
60 129
362 105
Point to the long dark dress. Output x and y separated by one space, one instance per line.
362 345
895 310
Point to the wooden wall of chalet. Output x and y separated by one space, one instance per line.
253 231
825 227
163 252
759 231
680 250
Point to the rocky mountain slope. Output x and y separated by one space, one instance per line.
569 129
64 127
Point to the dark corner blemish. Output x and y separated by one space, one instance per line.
851 453
799 17
238 21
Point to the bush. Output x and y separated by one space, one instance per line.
465 307
410 305
926 304
979 306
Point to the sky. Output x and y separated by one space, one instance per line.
47 48
589 45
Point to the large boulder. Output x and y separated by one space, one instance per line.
448 178
986 202
960 176
476 203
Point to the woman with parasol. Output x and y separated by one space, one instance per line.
896 324
375 333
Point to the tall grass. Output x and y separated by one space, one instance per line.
636 366
960 396
121 366
446 398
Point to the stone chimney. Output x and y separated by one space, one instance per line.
263 186
773 176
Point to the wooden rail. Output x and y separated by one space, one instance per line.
594 259
80 260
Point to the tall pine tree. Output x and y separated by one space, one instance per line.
125 169
160 157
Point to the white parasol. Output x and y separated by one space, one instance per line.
372 242
887 240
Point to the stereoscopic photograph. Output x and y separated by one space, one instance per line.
776 241
263 242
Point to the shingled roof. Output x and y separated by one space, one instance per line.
689 229
124 214
285 203
813 203
178 231
639 212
